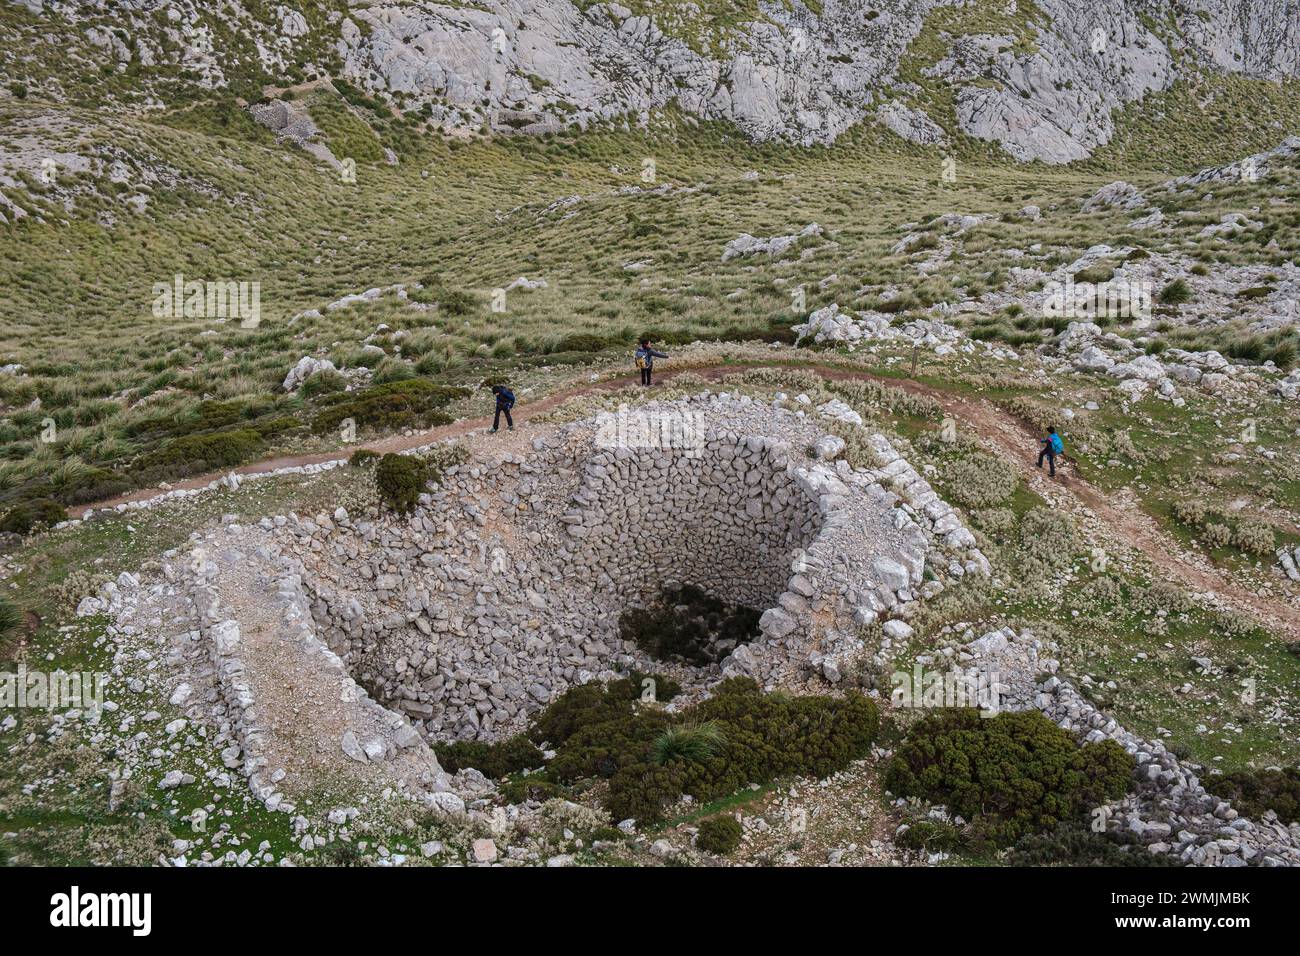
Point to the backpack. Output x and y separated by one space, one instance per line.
1057 446
640 360
506 398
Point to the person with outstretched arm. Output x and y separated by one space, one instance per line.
505 402
1052 447
645 360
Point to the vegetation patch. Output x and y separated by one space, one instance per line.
1010 775
619 733
718 835
408 403
399 480
690 626
1254 792
28 516
195 454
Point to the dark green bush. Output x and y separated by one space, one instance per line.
1074 844
363 457
584 342
767 736
608 731
27 516
1010 775
595 703
400 479
1253 792
195 454
494 760
718 835
688 625
455 302
532 787
409 403
275 426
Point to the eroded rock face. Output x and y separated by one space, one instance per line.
1042 80
798 75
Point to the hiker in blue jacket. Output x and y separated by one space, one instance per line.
505 402
1051 448
645 360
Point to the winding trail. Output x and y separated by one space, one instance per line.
1120 520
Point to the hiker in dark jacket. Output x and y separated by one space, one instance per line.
505 402
645 360
1052 447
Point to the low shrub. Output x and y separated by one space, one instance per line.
1011 775
409 403
931 836
718 835
980 480
531 787
688 625
195 454
1048 543
268 427
400 479
1255 792
584 342
363 457
494 760
739 736
1253 537
28 516
1175 293
216 415
594 703
1216 536
1075 844
767 736
455 301
1190 511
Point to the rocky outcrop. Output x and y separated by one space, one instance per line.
1043 82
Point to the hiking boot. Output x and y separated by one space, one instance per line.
509 427
493 431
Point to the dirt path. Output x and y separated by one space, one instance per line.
1121 520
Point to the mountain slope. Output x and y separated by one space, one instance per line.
1041 79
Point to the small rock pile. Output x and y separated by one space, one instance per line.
830 325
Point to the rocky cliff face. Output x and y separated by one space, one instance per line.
1042 79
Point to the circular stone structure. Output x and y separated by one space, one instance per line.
338 645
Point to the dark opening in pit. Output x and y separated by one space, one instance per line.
688 625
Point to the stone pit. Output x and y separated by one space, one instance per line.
346 645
